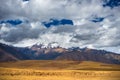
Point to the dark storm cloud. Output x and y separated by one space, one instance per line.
18 35
64 28
21 32
86 37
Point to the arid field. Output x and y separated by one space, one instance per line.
58 70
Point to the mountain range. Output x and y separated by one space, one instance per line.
39 52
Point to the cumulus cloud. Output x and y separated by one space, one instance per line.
103 34
39 9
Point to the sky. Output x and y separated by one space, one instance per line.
67 23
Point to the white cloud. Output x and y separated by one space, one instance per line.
84 33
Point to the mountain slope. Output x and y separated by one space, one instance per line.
91 55
9 53
37 52
5 56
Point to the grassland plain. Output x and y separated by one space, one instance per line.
58 70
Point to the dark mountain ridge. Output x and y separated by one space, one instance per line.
38 52
10 50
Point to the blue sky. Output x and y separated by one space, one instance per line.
69 23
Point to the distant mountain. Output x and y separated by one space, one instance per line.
5 56
10 53
87 54
41 52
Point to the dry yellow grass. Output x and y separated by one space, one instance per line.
62 70
29 74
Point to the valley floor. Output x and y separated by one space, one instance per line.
48 70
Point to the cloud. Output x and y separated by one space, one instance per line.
95 25
39 9
20 32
